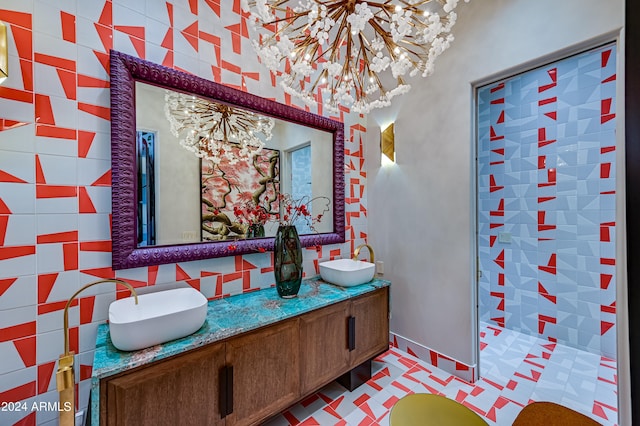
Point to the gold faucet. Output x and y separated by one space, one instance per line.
65 379
356 252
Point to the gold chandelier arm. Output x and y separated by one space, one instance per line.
386 38
363 51
308 40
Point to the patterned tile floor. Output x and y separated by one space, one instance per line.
516 369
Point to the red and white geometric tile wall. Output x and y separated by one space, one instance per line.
55 194
546 208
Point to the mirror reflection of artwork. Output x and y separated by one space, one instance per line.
239 199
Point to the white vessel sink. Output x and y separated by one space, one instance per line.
347 272
157 318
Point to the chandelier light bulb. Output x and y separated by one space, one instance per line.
340 43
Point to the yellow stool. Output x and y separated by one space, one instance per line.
428 409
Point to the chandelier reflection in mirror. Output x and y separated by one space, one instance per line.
343 51
212 130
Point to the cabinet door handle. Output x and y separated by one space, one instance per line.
351 332
226 391
222 392
229 390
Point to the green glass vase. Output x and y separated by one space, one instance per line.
288 261
256 230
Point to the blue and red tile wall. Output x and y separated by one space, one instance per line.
55 172
546 204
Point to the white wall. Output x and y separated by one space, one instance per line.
420 209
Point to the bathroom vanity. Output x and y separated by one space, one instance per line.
255 355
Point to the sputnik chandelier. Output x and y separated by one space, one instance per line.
342 51
216 131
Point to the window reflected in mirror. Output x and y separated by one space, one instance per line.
300 177
145 143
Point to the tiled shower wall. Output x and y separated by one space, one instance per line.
546 201
55 193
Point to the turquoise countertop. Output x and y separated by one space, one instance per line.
226 317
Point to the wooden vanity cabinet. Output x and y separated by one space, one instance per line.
323 344
370 323
250 377
339 338
265 372
180 390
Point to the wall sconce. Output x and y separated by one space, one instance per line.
387 146
4 53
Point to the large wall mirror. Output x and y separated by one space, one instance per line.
170 206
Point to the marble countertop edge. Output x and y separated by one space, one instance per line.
246 312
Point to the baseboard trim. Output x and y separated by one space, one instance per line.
468 373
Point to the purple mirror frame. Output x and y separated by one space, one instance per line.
125 72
